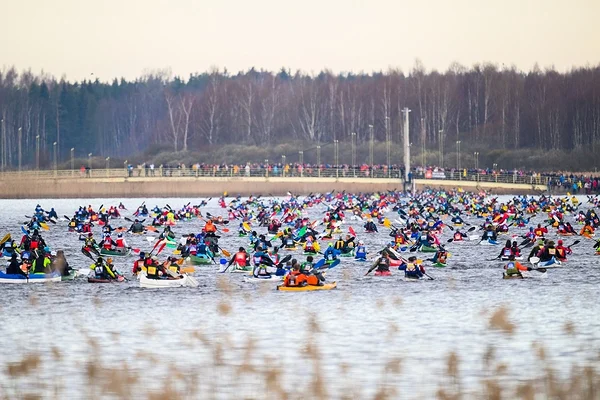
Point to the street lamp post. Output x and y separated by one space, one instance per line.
125 168
3 144
20 154
301 159
387 143
353 136
72 161
283 165
476 156
371 148
458 159
55 159
266 168
90 163
107 166
441 138
319 161
406 112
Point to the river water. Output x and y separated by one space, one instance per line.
229 338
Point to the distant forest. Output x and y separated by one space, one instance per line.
485 107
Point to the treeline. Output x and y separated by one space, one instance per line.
484 107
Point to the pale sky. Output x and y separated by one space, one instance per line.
125 38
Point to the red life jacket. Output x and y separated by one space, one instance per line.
240 258
108 243
120 242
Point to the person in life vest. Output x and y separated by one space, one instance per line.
274 255
413 270
262 244
340 244
569 228
370 226
587 231
548 252
514 267
425 239
90 243
597 246
108 243
383 266
506 251
14 268
489 233
101 271
310 246
153 268
457 220
170 264
241 258
562 251
441 256
302 275
72 225
399 236
515 249
242 230
121 242
203 250
209 227
261 261
531 234
540 231
331 253
361 251
139 264
459 236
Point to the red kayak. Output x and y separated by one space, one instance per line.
383 273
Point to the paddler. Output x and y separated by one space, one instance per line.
139 264
562 251
121 243
241 258
136 227
489 233
441 256
108 243
506 251
383 265
209 227
361 251
514 267
60 264
536 249
548 252
587 231
370 226
331 253
14 267
413 270
540 231
459 236
101 270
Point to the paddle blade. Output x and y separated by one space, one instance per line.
246 226
351 230
135 250
151 228
161 248
5 239
225 252
226 230
387 223
44 226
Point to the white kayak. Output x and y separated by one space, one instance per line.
187 280
507 259
271 278
552 263
488 242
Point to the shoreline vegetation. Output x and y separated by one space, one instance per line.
537 119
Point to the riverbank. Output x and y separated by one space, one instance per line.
117 187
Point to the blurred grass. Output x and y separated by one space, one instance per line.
219 377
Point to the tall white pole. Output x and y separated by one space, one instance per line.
405 111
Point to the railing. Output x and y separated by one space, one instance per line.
324 172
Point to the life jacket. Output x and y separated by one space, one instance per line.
551 251
340 244
152 271
33 244
99 270
361 250
507 252
107 243
538 232
442 257
399 239
120 242
136 264
240 258
457 237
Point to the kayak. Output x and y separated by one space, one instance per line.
551 263
410 279
97 280
308 288
115 253
187 280
269 278
33 278
198 260
488 242
360 259
69 277
439 265
348 254
383 273
526 274
291 248
507 259
428 249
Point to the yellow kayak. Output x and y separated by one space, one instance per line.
327 286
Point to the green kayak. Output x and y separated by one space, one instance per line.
439 265
427 249
197 260
69 277
349 254
115 253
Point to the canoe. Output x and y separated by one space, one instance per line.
96 280
115 253
198 260
383 273
69 277
33 278
187 280
308 288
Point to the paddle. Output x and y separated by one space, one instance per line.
5 239
374 265
574 243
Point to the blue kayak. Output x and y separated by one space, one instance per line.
33 278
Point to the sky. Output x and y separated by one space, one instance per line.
127 38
